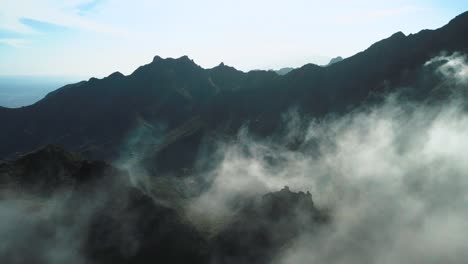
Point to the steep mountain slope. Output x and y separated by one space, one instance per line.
97 117
87 212
52 169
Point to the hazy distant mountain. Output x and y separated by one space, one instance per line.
335 60
180 103
284 71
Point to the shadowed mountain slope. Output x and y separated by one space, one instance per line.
88 212
96 117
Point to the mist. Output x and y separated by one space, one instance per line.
391 176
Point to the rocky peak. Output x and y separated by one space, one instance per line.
285 202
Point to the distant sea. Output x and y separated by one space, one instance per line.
17 91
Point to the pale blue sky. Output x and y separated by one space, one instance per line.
95 38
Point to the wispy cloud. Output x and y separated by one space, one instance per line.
69 14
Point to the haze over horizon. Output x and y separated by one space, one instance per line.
98 37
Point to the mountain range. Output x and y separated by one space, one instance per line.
182 103
68 189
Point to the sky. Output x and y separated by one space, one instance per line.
97 37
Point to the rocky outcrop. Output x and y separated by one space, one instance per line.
265 225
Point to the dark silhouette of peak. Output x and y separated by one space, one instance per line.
159 65
391 42
116 75
460 20
157 58
223 66
185 58
226 77
182 59
309 67
397 35
93 80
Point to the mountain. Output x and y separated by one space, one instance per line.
90 212
87 211
179 104
335 60
52 169
264 226
284 71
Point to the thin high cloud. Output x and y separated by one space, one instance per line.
68 14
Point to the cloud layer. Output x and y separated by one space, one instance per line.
393 177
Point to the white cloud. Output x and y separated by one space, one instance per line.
59 13
393 176
453 67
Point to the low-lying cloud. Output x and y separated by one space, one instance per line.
393 177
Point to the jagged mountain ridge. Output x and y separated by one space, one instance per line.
94 117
